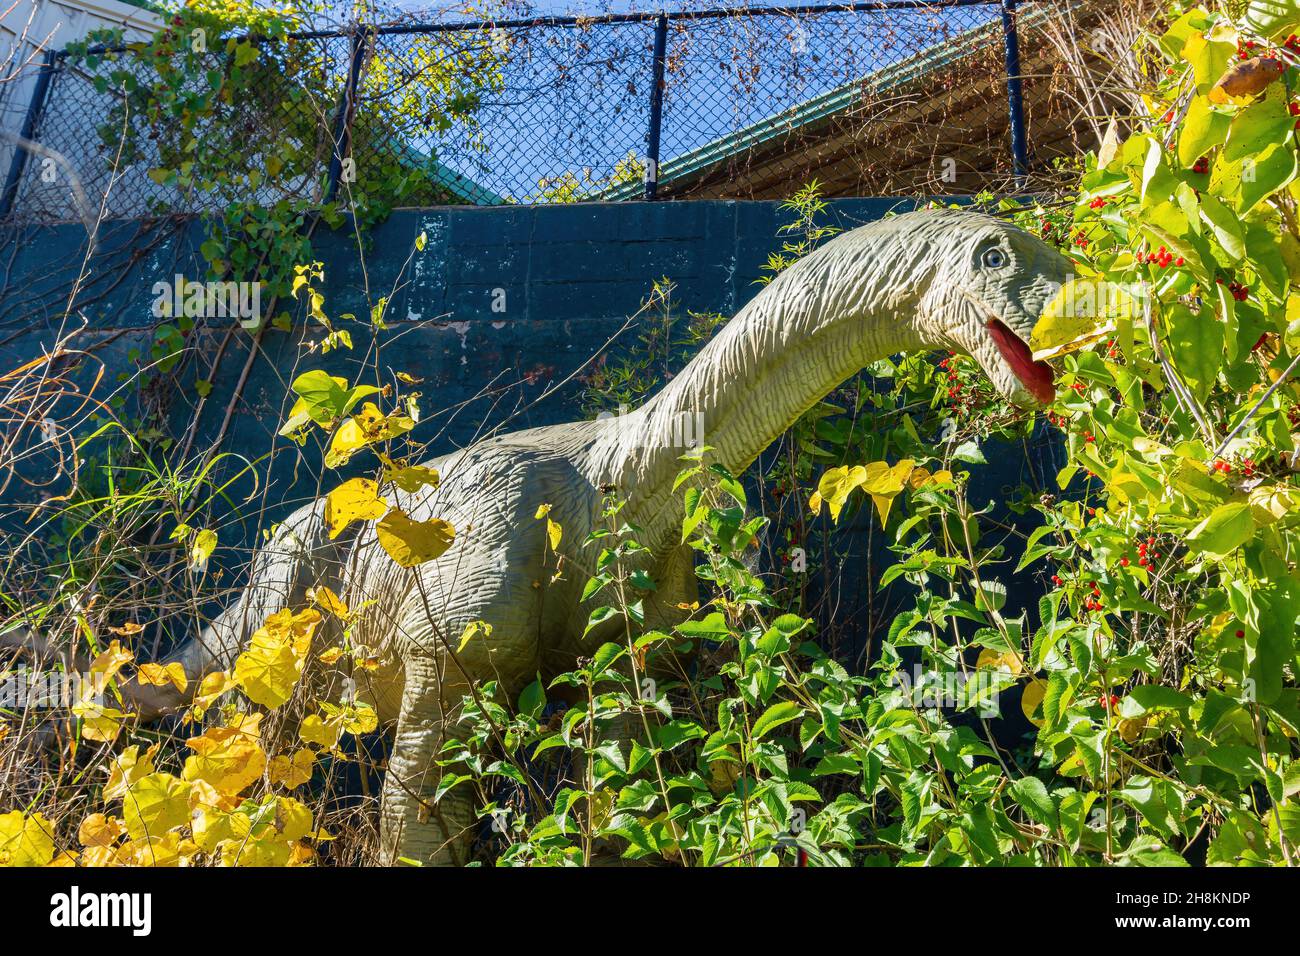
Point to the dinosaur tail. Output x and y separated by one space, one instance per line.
298 556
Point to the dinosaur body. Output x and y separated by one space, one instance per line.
936 279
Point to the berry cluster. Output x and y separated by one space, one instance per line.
1247 467
1093 601
1112 350
1202 166
1110 702
1164 258
1292 45
1146 557
962 396
1239 291
1098 203
1081 240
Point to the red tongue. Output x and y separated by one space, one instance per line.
1036 376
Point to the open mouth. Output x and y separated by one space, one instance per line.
1035 376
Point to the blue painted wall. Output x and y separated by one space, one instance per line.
570 275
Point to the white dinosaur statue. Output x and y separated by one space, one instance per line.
924 280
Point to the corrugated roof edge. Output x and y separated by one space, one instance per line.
825 104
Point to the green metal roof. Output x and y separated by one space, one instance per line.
459 185
822 106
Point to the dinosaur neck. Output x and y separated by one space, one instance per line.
816 325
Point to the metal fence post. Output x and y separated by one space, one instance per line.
1015 97
18 164
343 119
656 108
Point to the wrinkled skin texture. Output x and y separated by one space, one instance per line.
922 280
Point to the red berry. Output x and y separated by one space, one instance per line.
1241 634
1123 562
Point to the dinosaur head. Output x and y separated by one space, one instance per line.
988 284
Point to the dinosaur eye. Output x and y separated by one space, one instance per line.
995 258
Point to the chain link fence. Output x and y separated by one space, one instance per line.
880 98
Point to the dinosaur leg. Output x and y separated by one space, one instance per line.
412 824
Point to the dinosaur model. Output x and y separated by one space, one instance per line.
924 280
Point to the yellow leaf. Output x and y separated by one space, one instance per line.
990 659
472 630
1083 312
420 240
163 849
210 688
100 830
324 597
1131 728
542 512
269 670
413 477
99 856
357 499
884 482
213 827
155 804
355 719
292 772
1031 701
331 655
204 794
411 543
326 728
24 840
292 819
128 767
228 758
835 486
553 533
98 722
407 379
161 674
201 548
109 662
366 427
315 730
128 629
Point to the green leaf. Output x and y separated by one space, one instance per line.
1227 528
1195 347
532 699
712 627
1203 129
1273 169
1149 697
1031 794
1275 19
776 715
677 732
